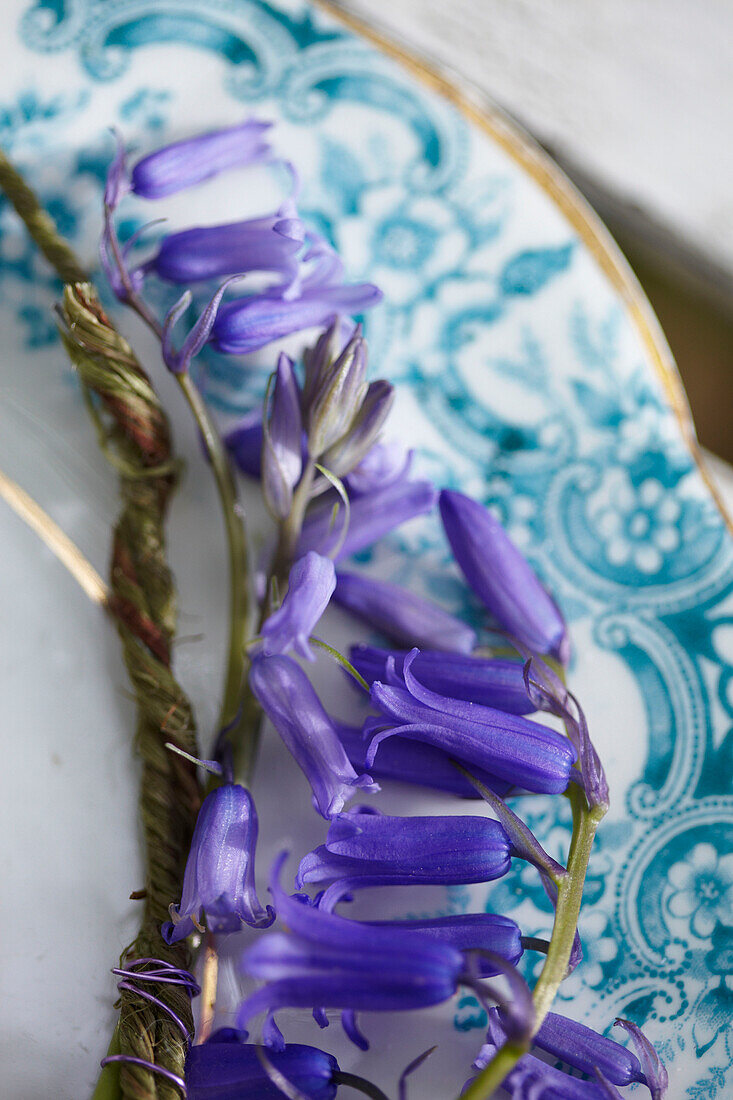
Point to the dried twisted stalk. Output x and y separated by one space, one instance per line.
143 603
135 435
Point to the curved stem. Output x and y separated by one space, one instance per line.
569 898
108 1082
353 1081
235 725
567 910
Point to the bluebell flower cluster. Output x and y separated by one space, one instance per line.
443 714
309 289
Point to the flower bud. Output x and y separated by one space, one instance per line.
501 577
348 451
208 252
336 390
185 163
402 615
282 461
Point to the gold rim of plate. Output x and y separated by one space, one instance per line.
526 152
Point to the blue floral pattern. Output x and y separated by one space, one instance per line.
522 374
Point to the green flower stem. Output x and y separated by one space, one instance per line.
567 911
108 1082
235 719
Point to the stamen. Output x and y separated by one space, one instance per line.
286 1087
208 765
410 1069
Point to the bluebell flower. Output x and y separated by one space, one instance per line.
185 163
227 1068
289 701
371 517
501 577
244 443
491 681
282 433
219 880
329 962
369 849
406 761
401 615
516 749
311 583
249 323
208 252
584 1049
469 932
579 1048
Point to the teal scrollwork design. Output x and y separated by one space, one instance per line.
675 707
527 385
652 929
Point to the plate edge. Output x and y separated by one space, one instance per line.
526 152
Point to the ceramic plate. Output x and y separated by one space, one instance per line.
530 372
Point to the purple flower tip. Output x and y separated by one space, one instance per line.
311 584
291 704
117 183
501 576
185 163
